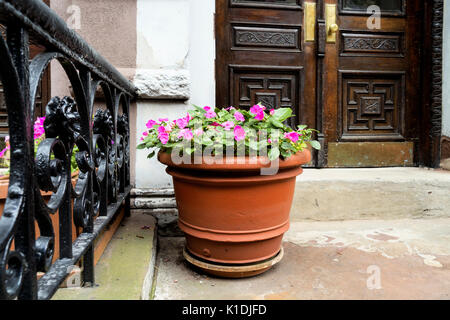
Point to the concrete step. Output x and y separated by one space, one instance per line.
363 259
385 193
126 269
337 194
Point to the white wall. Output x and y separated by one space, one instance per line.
446 72
173 35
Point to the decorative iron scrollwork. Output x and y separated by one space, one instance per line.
99 145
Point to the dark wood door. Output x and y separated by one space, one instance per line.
372 83
261 56
361 90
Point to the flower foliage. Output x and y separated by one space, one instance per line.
39 136
258 131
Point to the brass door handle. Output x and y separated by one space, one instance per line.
333 28
330 20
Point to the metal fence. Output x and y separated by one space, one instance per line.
102 152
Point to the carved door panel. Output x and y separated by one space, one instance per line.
371 83
357 82
261 57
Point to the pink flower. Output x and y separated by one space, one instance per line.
145 133
239 133
163 119
215 124
206 108
151 123
210 114
229 108
293 136
163 137
272 111
257 109
198 132
2 153
182 123
239 116
186 134
161 129
169 127
260 116
228 125
269 140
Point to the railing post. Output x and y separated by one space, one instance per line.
88 258
17 39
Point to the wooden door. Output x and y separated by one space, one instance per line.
371 80
362 90
261 57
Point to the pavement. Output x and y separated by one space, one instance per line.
360 259
125 270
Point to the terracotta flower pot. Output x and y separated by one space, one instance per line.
231 214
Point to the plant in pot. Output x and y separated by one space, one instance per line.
234 174
39 136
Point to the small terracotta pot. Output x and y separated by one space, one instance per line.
230 213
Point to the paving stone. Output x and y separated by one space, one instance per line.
373 259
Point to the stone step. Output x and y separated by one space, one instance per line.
126 269
338 194
385 193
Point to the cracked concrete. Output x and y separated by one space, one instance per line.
364 259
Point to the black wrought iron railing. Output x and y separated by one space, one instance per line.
102 152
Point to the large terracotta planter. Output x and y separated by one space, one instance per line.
231 214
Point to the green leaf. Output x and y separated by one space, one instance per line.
302 127
286 145
253 145
282 114
141 146
315 144
276 123
274 154
151 154
199 109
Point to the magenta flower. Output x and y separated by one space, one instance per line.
207 108
228 125
260 116
2 153
293 136
163 137
210 114
257 109
39 127
182 123
161 129
229 108
215 124
239 116
186 134
239 133
272 112
163 119
151 123
269 140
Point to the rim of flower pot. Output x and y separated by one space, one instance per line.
237 163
